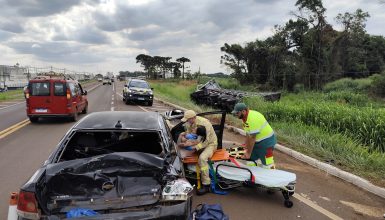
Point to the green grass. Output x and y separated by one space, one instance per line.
12 95
344 151
367 125
313 124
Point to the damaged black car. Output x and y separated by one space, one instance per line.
116 165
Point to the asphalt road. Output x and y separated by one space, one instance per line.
318 195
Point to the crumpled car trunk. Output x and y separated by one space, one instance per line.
111 181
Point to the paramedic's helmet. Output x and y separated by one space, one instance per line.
239 107
188 114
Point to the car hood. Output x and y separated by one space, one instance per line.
111 181
140 90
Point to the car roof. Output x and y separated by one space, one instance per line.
52 80
138 80
128 120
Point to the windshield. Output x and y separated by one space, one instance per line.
139 84
40 89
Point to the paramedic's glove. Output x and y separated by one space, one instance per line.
189 148
191 136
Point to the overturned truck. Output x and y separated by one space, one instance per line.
211 94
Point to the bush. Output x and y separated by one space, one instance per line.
348 84
378 86
347 97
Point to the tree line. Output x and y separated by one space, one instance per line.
307 51
154 65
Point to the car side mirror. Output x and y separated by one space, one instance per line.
85 92
152 88
125 86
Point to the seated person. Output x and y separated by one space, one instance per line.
205 146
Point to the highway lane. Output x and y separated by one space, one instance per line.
12 114
23 151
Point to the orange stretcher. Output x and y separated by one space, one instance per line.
219 155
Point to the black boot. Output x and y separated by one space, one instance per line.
203 190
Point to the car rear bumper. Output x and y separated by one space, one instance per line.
135 97
172 211
50 115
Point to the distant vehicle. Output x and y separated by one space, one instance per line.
48 96
107 80
100 79
138 90
3 87
115 165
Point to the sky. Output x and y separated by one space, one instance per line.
100 36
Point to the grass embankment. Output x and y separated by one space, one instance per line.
346 134
12 95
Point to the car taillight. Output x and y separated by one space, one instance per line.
27 205
68 94
27 94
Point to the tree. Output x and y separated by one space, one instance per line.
183 60
234 59
353 39
313 12
147 62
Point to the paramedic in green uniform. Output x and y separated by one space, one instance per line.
205 145
260 137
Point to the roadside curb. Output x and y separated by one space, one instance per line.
329 169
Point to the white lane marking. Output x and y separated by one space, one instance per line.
12 105
112 109
143 108
317 207
112 103
113 86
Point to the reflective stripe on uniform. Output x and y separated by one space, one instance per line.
257 131
204 168
269 136
269 160
257 124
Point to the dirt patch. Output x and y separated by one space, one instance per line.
364 209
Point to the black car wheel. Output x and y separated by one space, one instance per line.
149 103
85 110
33 119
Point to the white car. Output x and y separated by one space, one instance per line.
107 80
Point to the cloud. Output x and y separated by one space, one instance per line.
14 27
58 52
34 8
5 35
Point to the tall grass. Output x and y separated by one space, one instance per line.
364 124
339 149
348 84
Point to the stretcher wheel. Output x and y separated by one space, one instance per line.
288 204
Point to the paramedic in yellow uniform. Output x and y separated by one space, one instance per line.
206 144
260 137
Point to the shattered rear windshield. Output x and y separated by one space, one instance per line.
89 144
